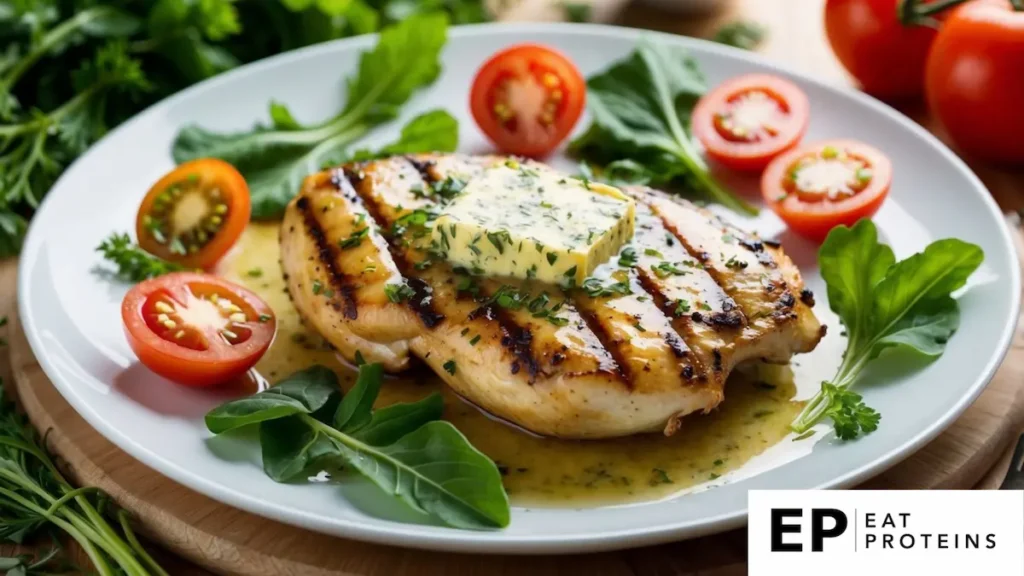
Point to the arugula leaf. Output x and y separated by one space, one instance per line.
404 448
274 160
884 304
305 392
640 108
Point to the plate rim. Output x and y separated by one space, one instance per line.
466 541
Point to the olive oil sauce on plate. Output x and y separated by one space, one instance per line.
546 471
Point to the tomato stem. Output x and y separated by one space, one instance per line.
1018 5
918 13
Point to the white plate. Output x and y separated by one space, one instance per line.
71 314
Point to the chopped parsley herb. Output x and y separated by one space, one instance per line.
639 327
570 272
666 269
682 307
728 238
670 239
714 476
718 462
704 306
263 318
499 239
593 287
464 332
423 264
467 284
398 292
659 476
628 257
475 250
254 273
317 287
354 239
474 340
652 252
735 264
449 188
552 258
449 367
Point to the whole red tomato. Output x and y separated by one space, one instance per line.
886 56
975 79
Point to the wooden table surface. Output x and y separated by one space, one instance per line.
796 37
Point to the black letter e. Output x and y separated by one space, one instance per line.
779 528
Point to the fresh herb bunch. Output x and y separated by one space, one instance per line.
70 70
884 304
36 498
307 425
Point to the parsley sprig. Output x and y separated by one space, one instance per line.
133 263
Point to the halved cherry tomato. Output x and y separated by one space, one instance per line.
196 329
527 99
820 186
747 121
194 214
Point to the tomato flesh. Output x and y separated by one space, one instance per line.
527 99
818 187
747 121
195 213
196 329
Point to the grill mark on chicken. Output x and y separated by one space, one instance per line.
624 348
621 370
425 168
694 366
517 339
327 253
420 302
775 284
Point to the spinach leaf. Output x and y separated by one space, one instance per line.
403 448
437 471
355 409
640 108
884 304
304 392
389 424
275 159
291 447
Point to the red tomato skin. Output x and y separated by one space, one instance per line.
184 366
569 111
231 183
886 57
975 80
750 157
814 220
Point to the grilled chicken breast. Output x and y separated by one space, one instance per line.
691 297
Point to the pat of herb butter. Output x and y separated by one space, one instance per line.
528 221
